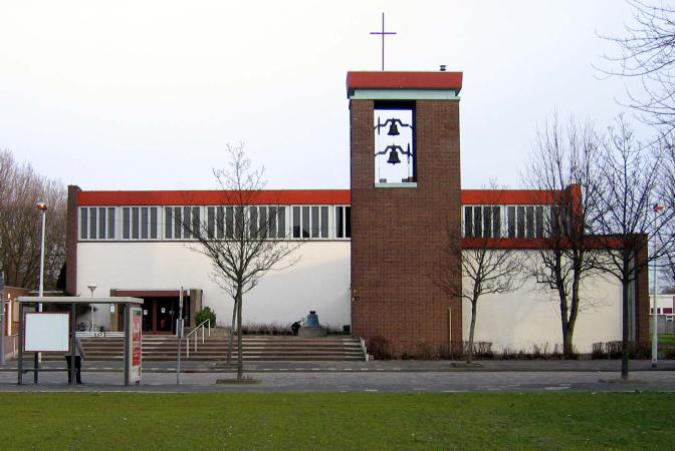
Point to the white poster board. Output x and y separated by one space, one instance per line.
46 332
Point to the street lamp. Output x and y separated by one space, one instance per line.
655 336
42 207
91 287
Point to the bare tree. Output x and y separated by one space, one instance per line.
489 267
564 162
666 192
625 220
647 52
242 239
20 225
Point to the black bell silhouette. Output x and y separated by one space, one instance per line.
393 157
393 129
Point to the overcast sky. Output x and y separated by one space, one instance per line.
145 95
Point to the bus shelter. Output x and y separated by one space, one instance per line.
55 332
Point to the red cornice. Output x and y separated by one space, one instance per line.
302 197
507 197
404 80
216 197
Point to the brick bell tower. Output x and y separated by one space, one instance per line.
405 196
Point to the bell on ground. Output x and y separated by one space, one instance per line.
393 129
393 157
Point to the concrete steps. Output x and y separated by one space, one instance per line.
255 348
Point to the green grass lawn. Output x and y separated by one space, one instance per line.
667 339
337 421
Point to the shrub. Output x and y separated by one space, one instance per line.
204 314
379 348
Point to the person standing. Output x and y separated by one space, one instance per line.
79 356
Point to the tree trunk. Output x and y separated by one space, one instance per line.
469 353
234 318
624 334
240 352
570 321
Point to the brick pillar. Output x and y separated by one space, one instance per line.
71 240
398 233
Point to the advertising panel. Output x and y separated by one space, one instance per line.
135 349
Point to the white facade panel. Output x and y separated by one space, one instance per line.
530 316
319 280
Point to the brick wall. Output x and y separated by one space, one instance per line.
397 233
71 241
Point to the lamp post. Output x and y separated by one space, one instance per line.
91 287
655 335
42 207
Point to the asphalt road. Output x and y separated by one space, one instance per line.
355 381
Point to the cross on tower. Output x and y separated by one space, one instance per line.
382 33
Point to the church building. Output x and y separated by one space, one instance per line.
367 253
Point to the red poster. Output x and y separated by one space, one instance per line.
136 340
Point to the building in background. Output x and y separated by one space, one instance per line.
368 251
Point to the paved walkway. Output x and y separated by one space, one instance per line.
414 366
375 376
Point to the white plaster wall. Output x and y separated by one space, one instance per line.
319 280
531 316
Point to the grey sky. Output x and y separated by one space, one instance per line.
145 95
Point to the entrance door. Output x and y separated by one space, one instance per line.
165 313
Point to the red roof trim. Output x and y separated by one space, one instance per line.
507 197
297 197
404 80
215 197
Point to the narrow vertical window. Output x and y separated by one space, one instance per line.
305 222
281 222
187 221
262 222
101 223
168 223
220 223
272 222
253 222
315 222
477 221
229 221
196 222
210 222
296 222
111 223
324 222
339 222
539 216
348 222
521 222
487 221
84 216
511 221
496 222
177 222
239 222
126 221
144 223
153 223
92 223
468 221
135 220
529 210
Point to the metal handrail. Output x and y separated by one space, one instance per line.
194 332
